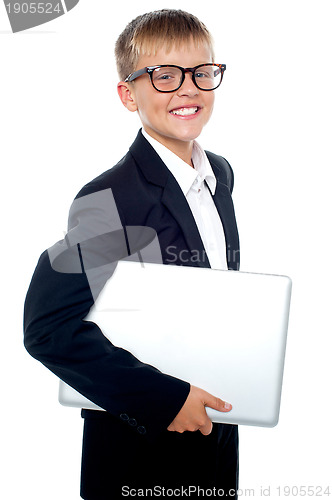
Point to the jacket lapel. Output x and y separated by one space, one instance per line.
175 201
224 204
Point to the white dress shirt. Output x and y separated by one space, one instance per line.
197 193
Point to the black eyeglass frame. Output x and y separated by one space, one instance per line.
150 70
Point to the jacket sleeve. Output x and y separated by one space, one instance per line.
65 284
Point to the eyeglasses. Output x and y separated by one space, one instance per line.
168 77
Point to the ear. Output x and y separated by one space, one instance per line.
127 96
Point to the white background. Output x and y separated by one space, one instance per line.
62 124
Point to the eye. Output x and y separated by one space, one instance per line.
164 76
203 74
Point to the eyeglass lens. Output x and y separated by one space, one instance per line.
207 77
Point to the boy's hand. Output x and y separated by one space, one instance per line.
192 416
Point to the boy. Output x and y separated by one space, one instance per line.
155 431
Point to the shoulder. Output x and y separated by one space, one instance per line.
222 169
123 173
105 197
124 187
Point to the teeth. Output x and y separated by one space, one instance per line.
185 111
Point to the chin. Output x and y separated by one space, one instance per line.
189 135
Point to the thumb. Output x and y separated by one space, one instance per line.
216 403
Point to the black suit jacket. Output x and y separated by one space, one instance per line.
146 195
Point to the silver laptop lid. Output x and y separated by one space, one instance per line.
223 331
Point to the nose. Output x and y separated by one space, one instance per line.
188 87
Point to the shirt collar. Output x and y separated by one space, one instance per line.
183 173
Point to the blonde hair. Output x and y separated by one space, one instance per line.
148 33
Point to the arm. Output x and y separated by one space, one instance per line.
64 286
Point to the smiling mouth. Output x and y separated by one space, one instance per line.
185 111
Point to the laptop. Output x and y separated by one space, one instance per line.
223 331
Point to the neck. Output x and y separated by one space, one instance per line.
182 149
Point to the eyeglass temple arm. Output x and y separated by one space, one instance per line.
136 74
221 69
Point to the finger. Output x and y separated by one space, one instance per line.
206 429
217 403
175 428
225 407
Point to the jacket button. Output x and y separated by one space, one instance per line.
141 429
124 417
132 422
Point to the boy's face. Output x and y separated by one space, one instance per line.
155 108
